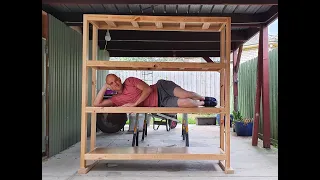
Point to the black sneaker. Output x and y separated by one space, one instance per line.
210 99
210 103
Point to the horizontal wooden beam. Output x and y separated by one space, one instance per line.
156 23
115 53
235 2
154 109
154 28
154 19
154 153
162 46
165 36
155 66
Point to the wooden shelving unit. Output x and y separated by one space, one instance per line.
155 23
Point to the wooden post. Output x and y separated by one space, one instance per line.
236 64
84 94
222 84
262 84
265 86
94 86
227 94
258 96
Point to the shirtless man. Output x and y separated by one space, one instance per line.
136 93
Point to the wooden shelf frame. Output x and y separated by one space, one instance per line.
156 23
155 66
154 153
215 110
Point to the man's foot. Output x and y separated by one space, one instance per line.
210 102
210 99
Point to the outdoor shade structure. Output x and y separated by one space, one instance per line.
155 23
246 18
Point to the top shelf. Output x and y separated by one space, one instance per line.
157 23
154 66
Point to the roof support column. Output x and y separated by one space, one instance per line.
262 85
236 64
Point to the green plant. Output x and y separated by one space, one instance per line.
237 116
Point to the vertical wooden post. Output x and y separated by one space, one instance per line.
258 96
94 86
236 64
262 82
222 84
227 93
235 84
84 93
265 87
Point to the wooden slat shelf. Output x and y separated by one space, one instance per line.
157 23
212 110
155 153
155 66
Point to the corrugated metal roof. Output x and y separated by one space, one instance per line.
245 17
157 9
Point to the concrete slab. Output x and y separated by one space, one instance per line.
249 163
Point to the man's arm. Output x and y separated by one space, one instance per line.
146 91
99 101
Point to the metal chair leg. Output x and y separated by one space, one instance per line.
183 129
185 117
135 131
144 126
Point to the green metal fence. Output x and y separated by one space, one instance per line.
65 73
247 92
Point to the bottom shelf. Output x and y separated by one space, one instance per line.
155 153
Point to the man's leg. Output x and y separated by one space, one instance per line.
172 95
173 89
172 101
187 102
184 94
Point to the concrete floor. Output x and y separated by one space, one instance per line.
248 162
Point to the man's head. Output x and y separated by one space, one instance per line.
114 83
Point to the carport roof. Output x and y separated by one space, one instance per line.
246 15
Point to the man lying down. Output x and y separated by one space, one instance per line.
134 92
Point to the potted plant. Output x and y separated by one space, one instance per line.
243 126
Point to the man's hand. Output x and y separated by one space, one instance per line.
129 105
99 101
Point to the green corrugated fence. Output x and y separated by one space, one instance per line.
247 91
65 61
65 73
